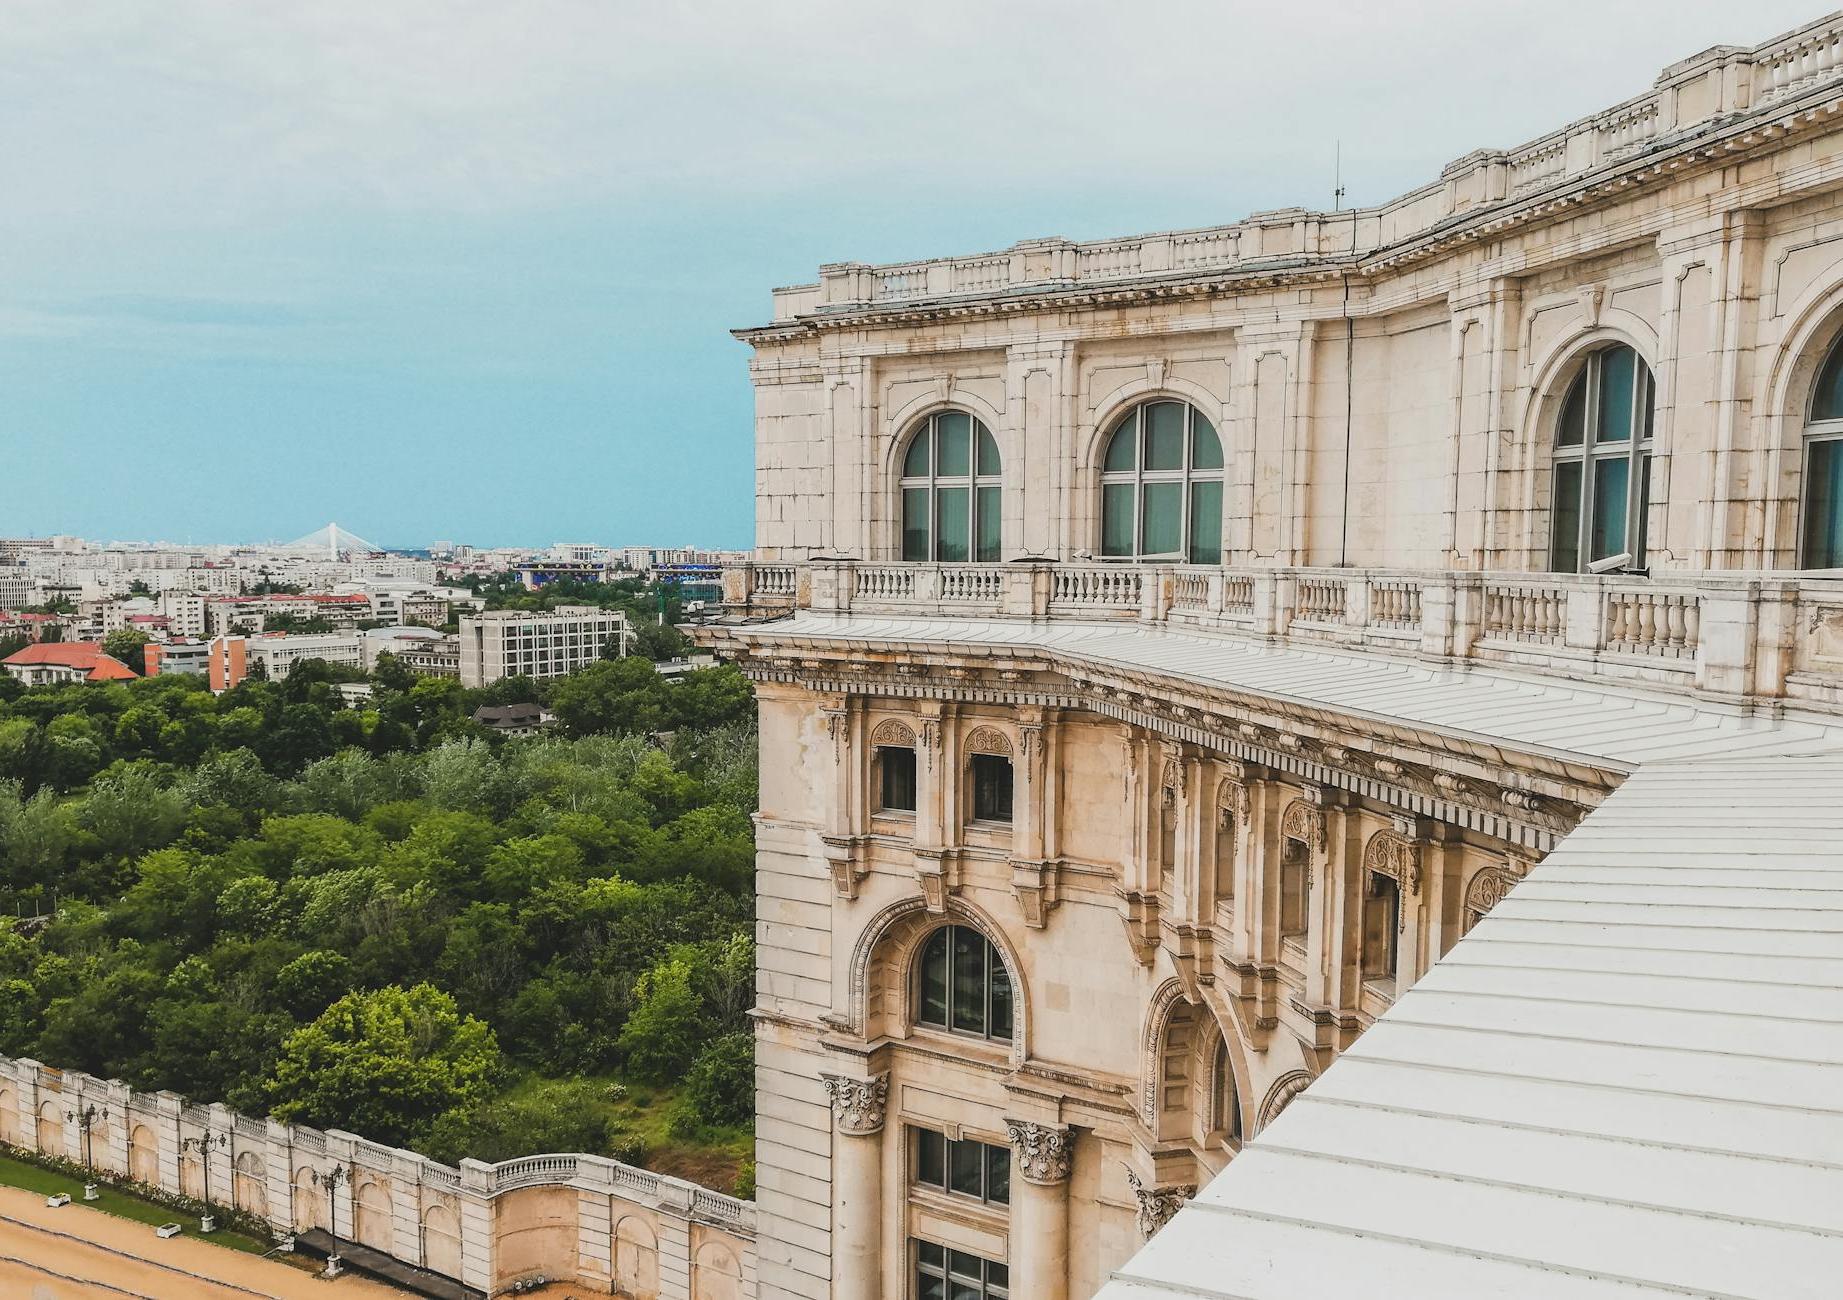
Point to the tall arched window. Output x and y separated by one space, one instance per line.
1602 459
951 500
1821 544
1161 486
965 987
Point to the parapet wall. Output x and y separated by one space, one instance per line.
573 1218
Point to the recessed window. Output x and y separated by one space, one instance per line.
963 1166
1295 881
1227 1103
1821 531
1161 486
951 491
1600 489
896 778
991 788
1381 924
965 987
943 1274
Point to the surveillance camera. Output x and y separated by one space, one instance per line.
1611 564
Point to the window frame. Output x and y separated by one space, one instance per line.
994 965
1592 452
985 1287
934 481
881 784
990 1154
1186 476
1815 431
1381 892
975 763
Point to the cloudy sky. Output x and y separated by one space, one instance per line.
459 269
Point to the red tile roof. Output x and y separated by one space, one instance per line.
73 654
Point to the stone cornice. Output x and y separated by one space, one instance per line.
1711 145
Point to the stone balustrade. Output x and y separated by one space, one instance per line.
580 1219
1692 100
1745 637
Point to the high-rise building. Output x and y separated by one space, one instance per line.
1169 648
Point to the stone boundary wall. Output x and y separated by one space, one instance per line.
572 1218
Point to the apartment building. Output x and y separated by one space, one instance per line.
510 643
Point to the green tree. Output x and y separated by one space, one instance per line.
385 1064
622 695
125 644
720 1089
311 982
666 1030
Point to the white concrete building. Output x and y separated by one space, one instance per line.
510 643
1344 711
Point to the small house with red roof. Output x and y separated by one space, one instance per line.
51 663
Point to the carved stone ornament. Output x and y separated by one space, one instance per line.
1280 1096
1155 371
838 728
1304 823
1397 858
1489 886
1232 796
1173 777
988 740
1522 800
1157 1204
858 1105
930 739
890 731
1044 1151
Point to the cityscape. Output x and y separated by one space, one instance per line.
1299 757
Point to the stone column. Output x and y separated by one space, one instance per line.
1040 1209
858 1107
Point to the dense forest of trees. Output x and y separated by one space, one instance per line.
383 919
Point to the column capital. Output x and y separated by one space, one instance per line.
858 1105
1044 1151
1157 1204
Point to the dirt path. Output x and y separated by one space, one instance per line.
75 1253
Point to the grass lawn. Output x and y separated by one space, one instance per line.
111 1200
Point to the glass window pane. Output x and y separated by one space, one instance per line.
1001 1000
1164 435
1117 519
1617 377
953 432
1123 445
1573 429
898 765
1206 523
929 1253
961 1264
997 1174
968 980
1644 508
952 544
988 520
1610 481
1824 503
915 524
998 1274
1161 528
1565 511
1827 400
966 1168
930 1158
988 450
915 465
958 1290
934 980
1205 446
930 1286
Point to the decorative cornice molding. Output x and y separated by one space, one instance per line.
1157 1205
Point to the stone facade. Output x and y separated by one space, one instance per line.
1200 897
576 1218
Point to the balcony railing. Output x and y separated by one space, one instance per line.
1744 637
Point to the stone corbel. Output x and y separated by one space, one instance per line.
1036 886
1157 1205
1139 915
1044 1151
1192 951
1253 998
843 861
932 871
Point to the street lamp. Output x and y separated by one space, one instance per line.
88 1116
332 1180
203 1144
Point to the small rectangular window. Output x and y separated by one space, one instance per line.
991 788
1565 512
965 1167
896 765
957 1275
1823 540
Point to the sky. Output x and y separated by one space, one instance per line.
467 270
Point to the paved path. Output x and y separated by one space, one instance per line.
76 1253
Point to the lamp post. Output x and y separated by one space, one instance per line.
203 1144
88 1116
332 1180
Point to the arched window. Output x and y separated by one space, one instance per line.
1822 533
1227 1105
1602 460
951 502
965 987
1161 486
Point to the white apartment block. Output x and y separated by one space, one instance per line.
185 613
15 588
510 643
